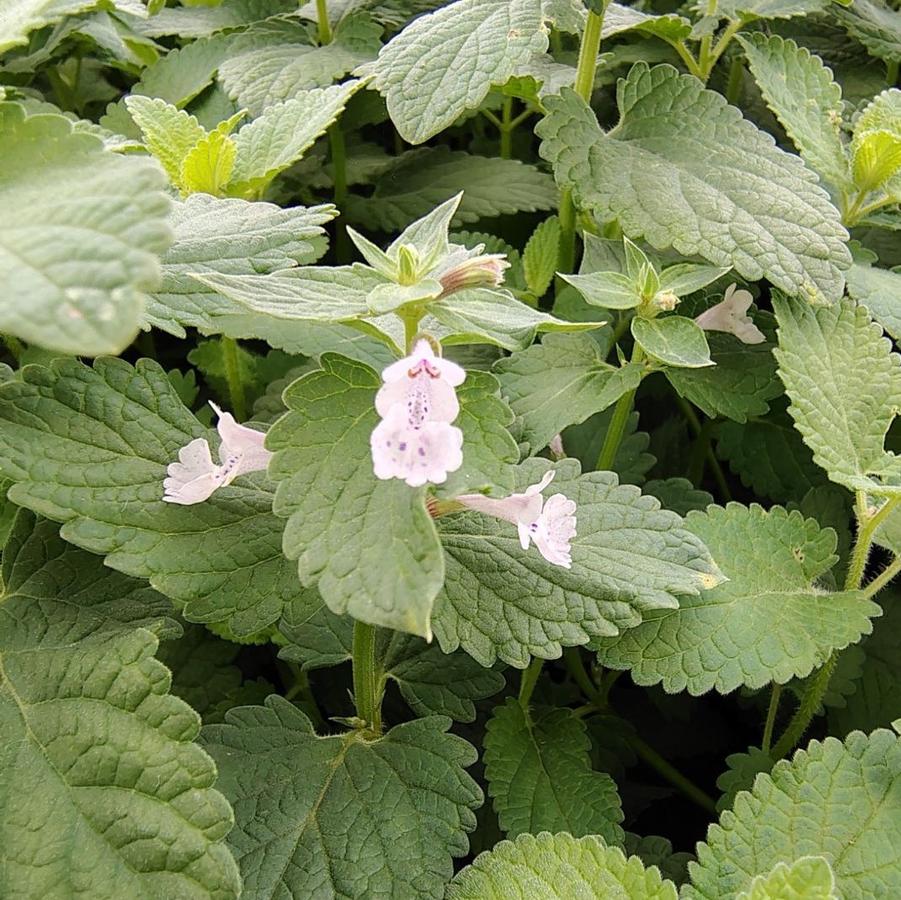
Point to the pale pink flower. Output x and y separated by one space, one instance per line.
195 476
731 315
470 268
556 447
417 402
550 525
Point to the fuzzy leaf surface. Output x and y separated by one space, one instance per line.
808 878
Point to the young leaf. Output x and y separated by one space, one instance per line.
558 867
876 145
90 447
228 237
852 821
540 778
97 762
665 117
629 556
673 340
282 134
297 835
539 259
808 878
208 166
608 290
808 103
878 290
560 382
82 230
843 382
768 622
470 45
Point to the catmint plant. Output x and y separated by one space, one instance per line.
450 449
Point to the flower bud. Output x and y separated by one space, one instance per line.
486 270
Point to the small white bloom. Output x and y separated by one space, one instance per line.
731 315
195 476
551 526
415 440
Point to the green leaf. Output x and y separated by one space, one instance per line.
471 45
370 545
808 878
880 291
90 447
540 778
421 179
200 21
751 10
687 278
18 18
658 851
583 442
665 117
430 681
97 762
558 867
769 622
283 133
629 556
341 816
678 494
82 231
170 134
228 237
620 19
560 382
876 145
673 341
833 799
539 259
208 167
608 290
800 90
743 769
875 25
739 385
843 382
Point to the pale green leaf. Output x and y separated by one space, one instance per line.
876 25
833 799
228 237
208 167
678 494
539 259
558 867
202 21
742 769
749 10
102 792
170 134
876 145
560 382
82 230
540 778
89 447
686 278
370 545
419 180
739 385
808 878
431 682
880 291
679 152
444 63
281 135
800 90
673 340
844 384
769 622
629 556
342 816
608 290
619 19
18 18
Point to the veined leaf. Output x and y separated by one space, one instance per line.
853 822
808 103
18 18
750 10
539 775
629 556
808 878
296 835
558 867
879 290
539 259
875 25
97 762
694 153
445 63
768 622
673 340
844 384
82 230
619 19
89 447
202 21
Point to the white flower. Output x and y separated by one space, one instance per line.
195 476
731 315
415 440
551 526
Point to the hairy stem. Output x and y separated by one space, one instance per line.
506 147
367 677
768 726
735 82
810 703
527 682
883 578
233 377
618 422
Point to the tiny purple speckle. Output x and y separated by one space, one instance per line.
402 446
422 451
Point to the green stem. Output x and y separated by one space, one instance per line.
325 29
731 30
506 148
574 665
618 422
883 578
367 678
859 210
649 755
736 81
233 377
528 681
706 44
767 740
891 72
810 703
698 453
685 55
339 192
584 83
695 424
411 329
14 345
